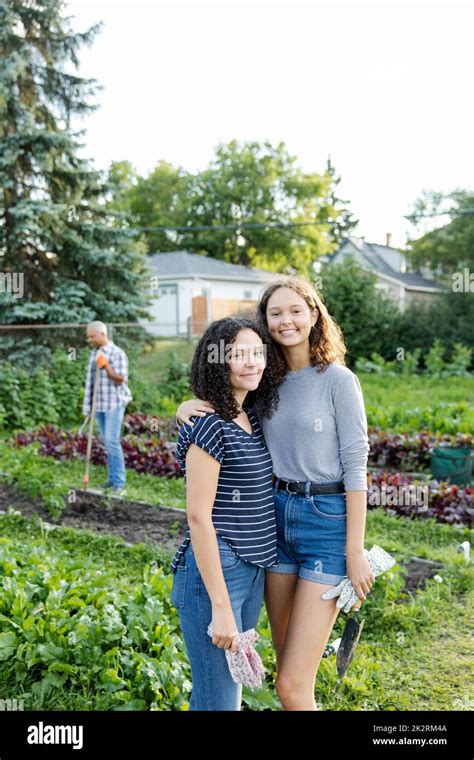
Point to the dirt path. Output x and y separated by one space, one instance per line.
133 521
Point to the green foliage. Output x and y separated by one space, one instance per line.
369 321
403 417
449 317
410 362
72 624
436 366
56 232
376 364
50 394
418 402
435 363
176 377
160 395
372 324
86 623
460 360
31 475
246 183
450 247
53 394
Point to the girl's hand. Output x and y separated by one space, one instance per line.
225 629
360 575
194 406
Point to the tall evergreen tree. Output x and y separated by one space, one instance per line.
76 262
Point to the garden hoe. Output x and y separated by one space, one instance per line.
91 428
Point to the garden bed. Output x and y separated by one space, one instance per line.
138 522
133 521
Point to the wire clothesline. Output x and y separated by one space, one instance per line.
240 226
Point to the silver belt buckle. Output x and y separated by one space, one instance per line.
286 487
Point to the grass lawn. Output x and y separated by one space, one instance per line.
152 364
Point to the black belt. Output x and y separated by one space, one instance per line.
299 486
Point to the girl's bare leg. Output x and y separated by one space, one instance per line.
308 629
279 594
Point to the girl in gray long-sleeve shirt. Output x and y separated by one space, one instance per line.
318 442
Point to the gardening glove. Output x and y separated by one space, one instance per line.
245 665
379 561
101 361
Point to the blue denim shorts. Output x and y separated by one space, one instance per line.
311 535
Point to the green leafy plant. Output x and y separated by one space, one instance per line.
435 364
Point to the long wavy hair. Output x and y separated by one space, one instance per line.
210 380
326 342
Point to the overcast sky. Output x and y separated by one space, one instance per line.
385 89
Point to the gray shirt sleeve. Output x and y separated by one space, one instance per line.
351 426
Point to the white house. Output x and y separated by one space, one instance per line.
193 290
390 268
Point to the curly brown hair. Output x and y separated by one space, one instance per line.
210 380
326 342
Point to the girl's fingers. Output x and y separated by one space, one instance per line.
224 642
200 411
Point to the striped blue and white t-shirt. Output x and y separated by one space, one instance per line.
243 513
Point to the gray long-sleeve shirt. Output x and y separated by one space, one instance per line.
319 431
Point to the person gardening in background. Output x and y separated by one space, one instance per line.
113 394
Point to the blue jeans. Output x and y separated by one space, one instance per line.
311 535
110 425
213 687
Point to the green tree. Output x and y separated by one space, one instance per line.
450 318
450 247
76 261
160 199
370 322
246 183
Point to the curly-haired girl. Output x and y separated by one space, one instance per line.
219 569
318 442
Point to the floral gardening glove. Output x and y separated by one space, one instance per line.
245 665
379 561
